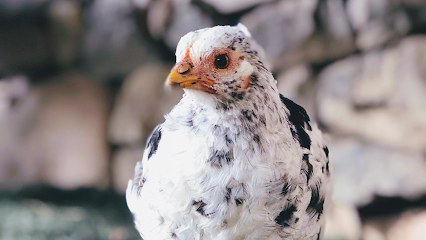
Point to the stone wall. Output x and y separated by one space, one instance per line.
82 88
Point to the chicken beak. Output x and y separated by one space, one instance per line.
182 75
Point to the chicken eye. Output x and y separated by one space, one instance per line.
221 61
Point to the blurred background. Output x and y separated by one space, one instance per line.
82 88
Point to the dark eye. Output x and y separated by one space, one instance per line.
221 61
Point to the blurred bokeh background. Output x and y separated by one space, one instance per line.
82 87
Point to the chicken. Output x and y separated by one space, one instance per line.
234 159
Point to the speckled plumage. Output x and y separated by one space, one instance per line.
242 163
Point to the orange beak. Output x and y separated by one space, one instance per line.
182 74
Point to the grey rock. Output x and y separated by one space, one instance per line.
335 19
362 171
342 222
291 80
376 22
379 96
106 63
158 16
141 4
281 26
56 135
112 46
297 84
288 32
336 35
186 18
123 166
409 226
12 91
65 27
372 232
226 7
110 24
141 105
